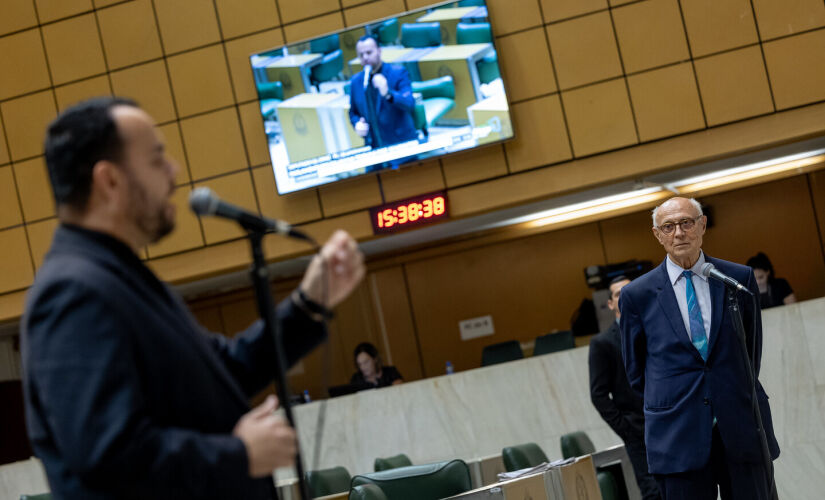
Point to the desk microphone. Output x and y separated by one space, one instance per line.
203 201
367 71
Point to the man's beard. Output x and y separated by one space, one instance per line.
152 221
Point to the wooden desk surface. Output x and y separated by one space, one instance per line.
294 61
452 52
454 13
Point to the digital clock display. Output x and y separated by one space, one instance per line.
407 213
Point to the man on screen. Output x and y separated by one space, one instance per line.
681 351
381 100
126 395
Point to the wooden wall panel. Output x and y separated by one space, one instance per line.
530 287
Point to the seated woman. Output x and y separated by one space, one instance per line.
772 291
370 372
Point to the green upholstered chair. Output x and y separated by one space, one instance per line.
471 3
271 94
473 33
437 98
42 496
417 35
420 482
400 460
367 492
328 69
608 486
488 68
387 32
522 456
328 481
576 444
554 342
501 353
325 45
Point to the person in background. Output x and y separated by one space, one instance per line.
381 99
773 291
613 397
371 373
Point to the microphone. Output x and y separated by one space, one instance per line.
367 71
710 271
203 201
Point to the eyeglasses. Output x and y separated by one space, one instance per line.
685 224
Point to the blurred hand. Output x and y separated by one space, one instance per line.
342 263
270 441
362 128
379 81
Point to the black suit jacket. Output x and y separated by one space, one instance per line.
622 412
126 395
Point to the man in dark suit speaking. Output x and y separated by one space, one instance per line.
126 395
616 402
681 351
381 100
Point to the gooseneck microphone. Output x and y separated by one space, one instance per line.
367 71
203 201
710 271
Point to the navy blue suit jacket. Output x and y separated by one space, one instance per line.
126 395
392 122
682 392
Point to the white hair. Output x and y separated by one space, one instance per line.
696 205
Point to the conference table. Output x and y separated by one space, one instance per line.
314 125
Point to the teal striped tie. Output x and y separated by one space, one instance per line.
697 324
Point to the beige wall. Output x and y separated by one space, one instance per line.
600 92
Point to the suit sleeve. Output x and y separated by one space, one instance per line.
601 365
250 355
401 90
354 113
634 343
83 377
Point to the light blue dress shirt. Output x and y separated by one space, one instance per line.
700 284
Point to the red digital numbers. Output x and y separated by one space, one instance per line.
408 212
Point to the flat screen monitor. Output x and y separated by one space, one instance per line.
381 95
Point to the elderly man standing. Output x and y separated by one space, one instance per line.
681 351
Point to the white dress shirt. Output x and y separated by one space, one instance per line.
700 284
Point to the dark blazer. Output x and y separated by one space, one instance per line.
618 404
682 392
391 122
126 395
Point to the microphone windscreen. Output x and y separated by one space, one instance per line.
202 201
707 267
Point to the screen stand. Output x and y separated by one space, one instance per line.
266 308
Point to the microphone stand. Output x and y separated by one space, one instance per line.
736 314
266 308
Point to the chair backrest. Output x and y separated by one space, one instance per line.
473 33
501 353
328 481
271 90
387 32
522 456
471 3
41 496
420 482
607 485
400 460
488 68
437 87
367 492
330 66
576 444
418 35
554 342
325 45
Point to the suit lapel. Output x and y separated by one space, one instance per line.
667 301
717 301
